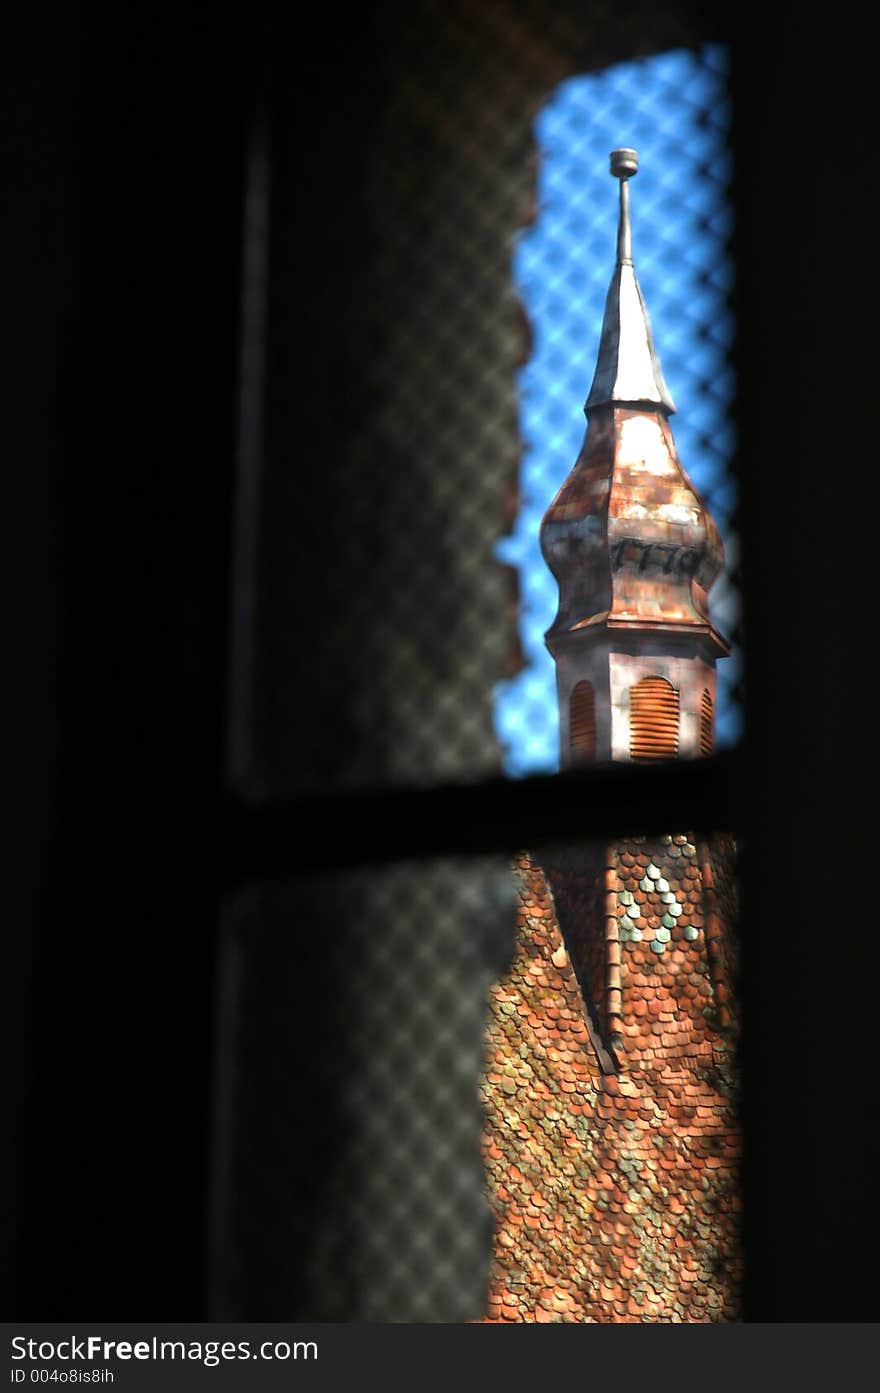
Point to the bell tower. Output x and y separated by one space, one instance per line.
634 551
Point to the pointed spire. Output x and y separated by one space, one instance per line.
628 369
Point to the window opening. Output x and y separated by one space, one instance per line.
673 108
582 727
707 732
653 719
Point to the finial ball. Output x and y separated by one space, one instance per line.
624 163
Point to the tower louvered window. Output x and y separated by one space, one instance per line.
582 729
653 719
707 725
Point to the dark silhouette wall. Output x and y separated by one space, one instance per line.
126 141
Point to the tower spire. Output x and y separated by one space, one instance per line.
628 369
635 552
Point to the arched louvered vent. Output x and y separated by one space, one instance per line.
653 719
707 725
582 724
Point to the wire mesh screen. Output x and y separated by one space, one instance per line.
352 1015
673 108
378 616
459 1090
380 621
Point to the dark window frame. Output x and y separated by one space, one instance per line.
128 794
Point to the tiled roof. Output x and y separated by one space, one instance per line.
611 1138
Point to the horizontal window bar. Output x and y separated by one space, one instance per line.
279 837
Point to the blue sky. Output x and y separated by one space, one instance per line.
673 109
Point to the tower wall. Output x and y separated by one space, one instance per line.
612 669
689 676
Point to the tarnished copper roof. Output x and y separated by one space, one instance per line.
628 538
628 368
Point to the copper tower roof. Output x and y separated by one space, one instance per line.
628 537
628 369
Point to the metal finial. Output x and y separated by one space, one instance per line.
624 163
